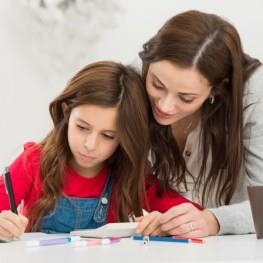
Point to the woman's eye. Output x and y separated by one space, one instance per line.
107 136
156 86
186 100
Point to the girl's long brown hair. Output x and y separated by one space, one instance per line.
106 84
212 46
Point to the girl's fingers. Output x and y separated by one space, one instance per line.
15 224
20 207
10 227
5 235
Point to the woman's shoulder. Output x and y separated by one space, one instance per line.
253 99
254 87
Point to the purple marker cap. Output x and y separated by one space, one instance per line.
52 241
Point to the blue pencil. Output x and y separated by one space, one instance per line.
162 239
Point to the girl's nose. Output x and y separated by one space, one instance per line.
91 142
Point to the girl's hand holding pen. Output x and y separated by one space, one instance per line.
12 225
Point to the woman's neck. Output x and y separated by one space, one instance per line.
182 128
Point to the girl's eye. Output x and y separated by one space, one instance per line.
186 100
82 127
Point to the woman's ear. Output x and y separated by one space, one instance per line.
65 108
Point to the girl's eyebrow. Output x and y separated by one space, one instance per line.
79 119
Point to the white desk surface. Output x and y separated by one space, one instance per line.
238 248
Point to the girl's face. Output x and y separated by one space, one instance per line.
175 92
92 137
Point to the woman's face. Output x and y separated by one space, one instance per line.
175 92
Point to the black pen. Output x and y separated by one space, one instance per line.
9 190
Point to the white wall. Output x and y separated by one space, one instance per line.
34 65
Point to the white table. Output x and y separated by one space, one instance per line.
238 248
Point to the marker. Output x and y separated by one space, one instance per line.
52 241
191 240
161 239
92 242
9 190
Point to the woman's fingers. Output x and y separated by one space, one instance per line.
175 211
139 218
177 217
186 220
150 224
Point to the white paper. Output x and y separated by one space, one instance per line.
108 230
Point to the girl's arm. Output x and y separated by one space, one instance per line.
23 177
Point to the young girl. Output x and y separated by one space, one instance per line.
90 169
207 132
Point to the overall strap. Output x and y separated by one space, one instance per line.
101 210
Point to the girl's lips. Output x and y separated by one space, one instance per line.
87 157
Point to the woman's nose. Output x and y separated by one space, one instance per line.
166 104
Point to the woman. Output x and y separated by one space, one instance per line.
207 133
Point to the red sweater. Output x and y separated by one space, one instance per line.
28 186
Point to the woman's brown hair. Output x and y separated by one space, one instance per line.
106 84
212 46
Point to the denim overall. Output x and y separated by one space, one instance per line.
78 213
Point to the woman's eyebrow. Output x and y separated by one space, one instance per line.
157 79
186 94
180 93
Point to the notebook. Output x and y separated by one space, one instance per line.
108 230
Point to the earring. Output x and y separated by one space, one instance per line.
211 99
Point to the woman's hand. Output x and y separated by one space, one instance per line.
149 224
187 220
12 225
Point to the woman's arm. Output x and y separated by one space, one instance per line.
236 218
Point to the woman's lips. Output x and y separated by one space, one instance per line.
161 114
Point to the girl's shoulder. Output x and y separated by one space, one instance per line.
29 158
32 151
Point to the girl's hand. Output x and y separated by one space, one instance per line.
12 225
149 224
186 220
